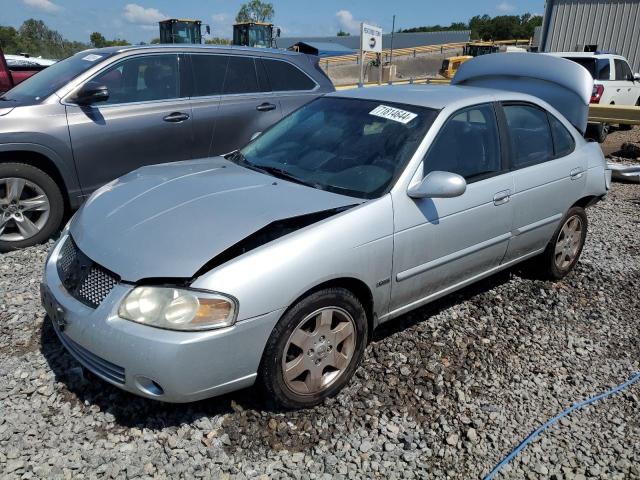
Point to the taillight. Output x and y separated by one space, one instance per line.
596 93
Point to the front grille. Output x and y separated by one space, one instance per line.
85 280
93 362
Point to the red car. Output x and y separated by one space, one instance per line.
10 77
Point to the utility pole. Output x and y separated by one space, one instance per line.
393 29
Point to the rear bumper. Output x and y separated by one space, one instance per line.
161 364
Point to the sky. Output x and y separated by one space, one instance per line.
136 20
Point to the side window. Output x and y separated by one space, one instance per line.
208 74
604 69
531 140
562 138
241 76
468 144
141 79
284 76
623 72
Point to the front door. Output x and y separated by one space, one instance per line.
144 121
440 243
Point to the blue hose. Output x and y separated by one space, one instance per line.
539 430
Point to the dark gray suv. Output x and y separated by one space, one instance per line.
102 113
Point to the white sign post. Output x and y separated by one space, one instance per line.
370 41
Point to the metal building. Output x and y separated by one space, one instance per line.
587 25
400 40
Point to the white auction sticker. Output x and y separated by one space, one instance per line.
92 57
391 113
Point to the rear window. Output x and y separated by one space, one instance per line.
599 68
285 77
241 76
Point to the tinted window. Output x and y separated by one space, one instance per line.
348 146
623 72
241 76
562 139
40 86
208 74
531 140
284 76
263 79
468 144
599 68
141 79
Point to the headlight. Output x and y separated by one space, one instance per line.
178 309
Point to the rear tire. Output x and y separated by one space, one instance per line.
31 206
598 131
564 249
314 349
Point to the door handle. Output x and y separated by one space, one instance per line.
576 173
501 197
265 107
176 117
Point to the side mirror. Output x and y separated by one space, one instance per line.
636 77
207 29
439 185
278 31
255 135
91 93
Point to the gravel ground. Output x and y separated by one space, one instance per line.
444 392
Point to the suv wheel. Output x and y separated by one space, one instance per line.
564 249
314 349
31 206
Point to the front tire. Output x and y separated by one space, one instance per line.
564 249
314 349
31 206
599 131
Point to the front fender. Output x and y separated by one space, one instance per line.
355 244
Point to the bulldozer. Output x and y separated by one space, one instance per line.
255 34
176 30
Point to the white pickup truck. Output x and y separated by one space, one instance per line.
613 83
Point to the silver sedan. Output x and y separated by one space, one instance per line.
273 264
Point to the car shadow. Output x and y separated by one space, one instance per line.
130 410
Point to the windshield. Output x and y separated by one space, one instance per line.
43 84
349 146
597 67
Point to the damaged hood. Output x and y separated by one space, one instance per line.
167 221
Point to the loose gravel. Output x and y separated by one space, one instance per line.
444 392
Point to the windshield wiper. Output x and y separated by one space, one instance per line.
280 173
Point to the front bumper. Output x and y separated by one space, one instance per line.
161 364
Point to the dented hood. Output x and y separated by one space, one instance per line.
167 221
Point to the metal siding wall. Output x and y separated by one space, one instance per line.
611 24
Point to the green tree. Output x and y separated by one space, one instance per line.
154 41
217 41
255 11
9 39
97 40
342 33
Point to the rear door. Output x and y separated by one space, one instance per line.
246 106
548 173
441 242
292 86
146 120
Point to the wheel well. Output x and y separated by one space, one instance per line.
585 202
355 286
41 162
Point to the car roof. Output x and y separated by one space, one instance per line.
193 47
431 96
584 54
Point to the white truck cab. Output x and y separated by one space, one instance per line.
614 83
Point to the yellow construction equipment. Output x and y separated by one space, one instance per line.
450 65
255 34
177 30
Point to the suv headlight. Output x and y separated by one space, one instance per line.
178 309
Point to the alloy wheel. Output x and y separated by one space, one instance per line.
568 243
319 350
24 209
